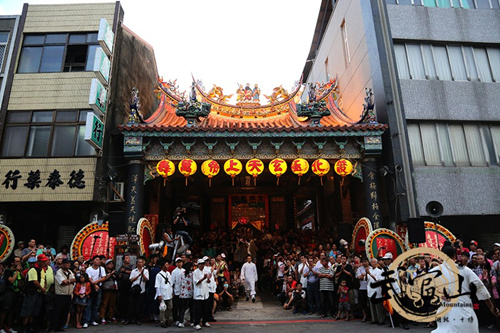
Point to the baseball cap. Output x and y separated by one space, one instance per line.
223 255
20 242
473 242
108 261
200 261
497 244
178 259
205 258
42 257
66 261
388 255
32 260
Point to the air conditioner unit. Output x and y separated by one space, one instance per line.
119 186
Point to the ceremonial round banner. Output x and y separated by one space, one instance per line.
93 240
435 236
359 235
425 296
380 241
146 235
7 241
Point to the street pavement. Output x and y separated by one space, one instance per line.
265 315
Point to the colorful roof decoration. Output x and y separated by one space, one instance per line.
279 113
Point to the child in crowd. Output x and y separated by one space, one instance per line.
82 291
344 304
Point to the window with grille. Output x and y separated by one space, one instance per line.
4 37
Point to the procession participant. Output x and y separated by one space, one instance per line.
176 287
96 275
163 288
65 283
201 295
138 277
464 307
210 268
374 274
249 277
221 270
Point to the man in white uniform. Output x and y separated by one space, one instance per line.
249 277
163 287
461 317
201 293
176 287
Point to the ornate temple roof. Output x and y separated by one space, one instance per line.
248 115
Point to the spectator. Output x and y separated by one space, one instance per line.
30 251
326 288
344 304
226 298
298 300
313 295
65 281
374 274
186 295
19 251
82 291
12 301
109 293
138 277
96 275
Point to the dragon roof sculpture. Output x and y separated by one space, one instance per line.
277 114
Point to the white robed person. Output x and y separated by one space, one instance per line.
461 317
249 277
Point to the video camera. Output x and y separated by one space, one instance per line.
156 246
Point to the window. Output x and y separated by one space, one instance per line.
466 4
4 37
46 133
454 144
58 52
447 62
347 54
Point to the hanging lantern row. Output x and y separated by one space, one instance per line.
254 167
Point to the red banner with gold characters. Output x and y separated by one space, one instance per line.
7 241
93 240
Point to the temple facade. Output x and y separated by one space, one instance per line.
266 164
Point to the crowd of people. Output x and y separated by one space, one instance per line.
304 270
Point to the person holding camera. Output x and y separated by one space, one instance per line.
109 293
14 284
298 300
65 283
181 225
96 275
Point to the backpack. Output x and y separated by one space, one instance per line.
30 287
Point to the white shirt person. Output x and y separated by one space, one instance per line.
249 277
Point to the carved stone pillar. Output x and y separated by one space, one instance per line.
134 198
370 181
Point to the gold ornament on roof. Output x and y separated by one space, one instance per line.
279 94
217 94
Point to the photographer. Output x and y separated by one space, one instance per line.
181 225
109 293
297 300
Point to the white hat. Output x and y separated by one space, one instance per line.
497 244
388 255
222 255
178 259
205 258
200 261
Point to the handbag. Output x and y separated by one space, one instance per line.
136 289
